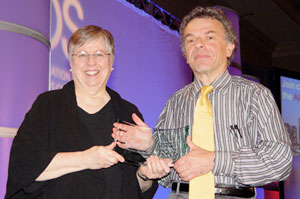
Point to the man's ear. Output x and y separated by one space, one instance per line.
229 49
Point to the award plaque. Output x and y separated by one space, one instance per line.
171 143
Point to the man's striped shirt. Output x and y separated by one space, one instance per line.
252 146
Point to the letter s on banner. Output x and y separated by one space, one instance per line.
59 25
67 4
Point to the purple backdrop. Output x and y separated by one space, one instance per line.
33 14
24 74
24 66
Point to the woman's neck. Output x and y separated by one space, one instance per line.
90 101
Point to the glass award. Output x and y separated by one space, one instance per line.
171 143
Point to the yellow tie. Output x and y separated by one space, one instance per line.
203 187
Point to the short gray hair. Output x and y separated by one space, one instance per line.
88 33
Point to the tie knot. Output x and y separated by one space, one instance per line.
205 90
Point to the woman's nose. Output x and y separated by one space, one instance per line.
91 59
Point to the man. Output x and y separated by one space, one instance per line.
251 145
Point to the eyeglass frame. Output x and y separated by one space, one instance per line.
88 55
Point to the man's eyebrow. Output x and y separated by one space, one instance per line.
188 35
210 32
206 33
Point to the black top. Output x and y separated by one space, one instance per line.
53 125
99 126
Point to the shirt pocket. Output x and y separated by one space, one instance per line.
240 135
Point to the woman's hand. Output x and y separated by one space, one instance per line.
98 157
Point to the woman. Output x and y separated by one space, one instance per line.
64 148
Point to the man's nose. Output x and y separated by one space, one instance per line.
200 43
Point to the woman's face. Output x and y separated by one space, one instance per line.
91 65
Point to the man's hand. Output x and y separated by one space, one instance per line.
137 136
156 167
195 163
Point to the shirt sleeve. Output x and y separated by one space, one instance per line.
165 121
29 154
264 154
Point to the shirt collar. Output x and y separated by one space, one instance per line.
222 82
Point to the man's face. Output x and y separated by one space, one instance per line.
206 48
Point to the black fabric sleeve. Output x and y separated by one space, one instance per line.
29 154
